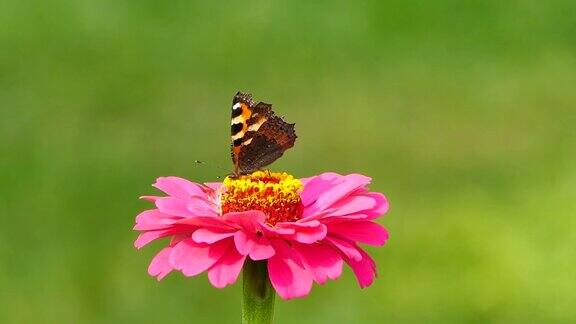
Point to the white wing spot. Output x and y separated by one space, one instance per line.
237 120
238 135
254 127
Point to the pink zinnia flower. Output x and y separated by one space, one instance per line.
305 229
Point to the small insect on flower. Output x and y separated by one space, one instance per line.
304 229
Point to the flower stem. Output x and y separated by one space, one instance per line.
258 299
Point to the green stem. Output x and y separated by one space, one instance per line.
258 299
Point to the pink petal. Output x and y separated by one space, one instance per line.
339 219
174 206
273 231
193 258
248 220
215 186
336 191
186 208
204 221
348 249
211 235
147 237
305 181
202 207
227 269
153 219
365 269
304 232
322 261
178 187
381 207
351 205
160 267
360 231
251 244
315 186
249 239
149 198
289 279
177 238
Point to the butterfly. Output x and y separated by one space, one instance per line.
258 136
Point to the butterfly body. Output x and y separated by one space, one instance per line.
259 137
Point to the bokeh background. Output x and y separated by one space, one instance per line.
463 112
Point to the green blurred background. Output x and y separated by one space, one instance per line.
463 112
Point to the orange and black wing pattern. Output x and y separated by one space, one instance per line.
258 136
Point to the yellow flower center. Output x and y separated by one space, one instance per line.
276 194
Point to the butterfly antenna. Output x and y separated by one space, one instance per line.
217 166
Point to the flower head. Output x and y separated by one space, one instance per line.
305 229
277 195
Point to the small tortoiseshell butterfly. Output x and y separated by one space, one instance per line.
258 136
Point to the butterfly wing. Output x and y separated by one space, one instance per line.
258 136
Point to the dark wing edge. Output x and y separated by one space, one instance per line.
243 97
